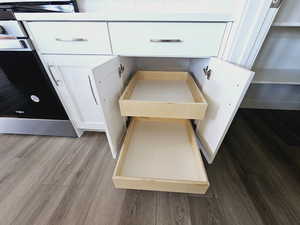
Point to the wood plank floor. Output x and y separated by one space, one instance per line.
255 180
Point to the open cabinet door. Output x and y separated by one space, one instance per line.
109 87
224 91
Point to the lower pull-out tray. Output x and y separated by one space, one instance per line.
161 155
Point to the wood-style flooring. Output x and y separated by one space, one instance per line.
255 180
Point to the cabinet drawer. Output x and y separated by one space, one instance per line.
164 95
161 155
71 37
167 39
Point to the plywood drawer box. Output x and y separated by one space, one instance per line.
71 37
163 95
161 155
165 39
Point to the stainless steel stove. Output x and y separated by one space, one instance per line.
9 7
28 101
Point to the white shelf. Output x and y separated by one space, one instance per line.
277 76
288 14
286 24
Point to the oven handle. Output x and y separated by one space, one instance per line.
7 37
9 44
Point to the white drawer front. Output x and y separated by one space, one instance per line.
167 39
71 37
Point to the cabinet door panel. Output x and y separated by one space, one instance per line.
98 86
79 83
224 91
77 88
109 86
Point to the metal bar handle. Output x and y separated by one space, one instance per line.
166 40
92 90
53 78
13 44
71 40
7 36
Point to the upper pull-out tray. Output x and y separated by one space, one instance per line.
161 155
163 95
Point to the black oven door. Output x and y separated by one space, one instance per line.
18 6
25 89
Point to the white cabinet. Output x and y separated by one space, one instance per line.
91 86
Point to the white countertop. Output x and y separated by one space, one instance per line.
144 10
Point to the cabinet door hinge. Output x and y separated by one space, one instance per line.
207 72
121 69
276 3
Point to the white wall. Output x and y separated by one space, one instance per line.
201 6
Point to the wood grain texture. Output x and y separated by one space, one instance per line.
63 181
173 209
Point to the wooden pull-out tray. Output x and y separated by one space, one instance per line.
161 155
163 95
